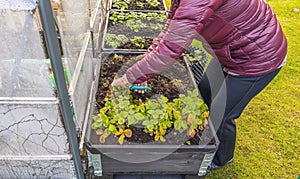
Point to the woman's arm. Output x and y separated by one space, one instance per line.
183 26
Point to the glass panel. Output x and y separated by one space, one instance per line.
37 168
24 70
82 89
18 4
74 22
97 22
31 129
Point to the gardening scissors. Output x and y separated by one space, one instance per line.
136 87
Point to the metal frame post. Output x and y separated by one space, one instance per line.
48 24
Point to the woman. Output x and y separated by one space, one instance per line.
244 36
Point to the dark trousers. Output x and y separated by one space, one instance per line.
227 96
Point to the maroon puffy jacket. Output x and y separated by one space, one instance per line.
244 35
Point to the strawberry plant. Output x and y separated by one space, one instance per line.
185 113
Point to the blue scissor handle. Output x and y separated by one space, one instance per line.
136 87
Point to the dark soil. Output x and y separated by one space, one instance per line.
133 6
129 45
160 84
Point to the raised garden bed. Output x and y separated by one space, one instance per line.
131 149
145 5
132 31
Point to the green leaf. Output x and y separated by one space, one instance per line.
112 128
124 114
97 118
131 120
106 122
139 116
148 124
96 125
176 125
121 121
183 124
177 115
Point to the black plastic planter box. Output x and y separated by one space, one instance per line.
153 158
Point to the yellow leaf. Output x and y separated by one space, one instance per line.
163 132
200 127
105 134
99 131
204 122
118 133
162 138
102 139
192 133
128 133
156 137
191 119
206 114
121 139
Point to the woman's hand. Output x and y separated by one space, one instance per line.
123 81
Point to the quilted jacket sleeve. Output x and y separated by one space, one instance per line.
184 24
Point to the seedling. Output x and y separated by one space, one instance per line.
153 3
156 26
117 17
115 41
135 25
120 5
138 41
140 4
